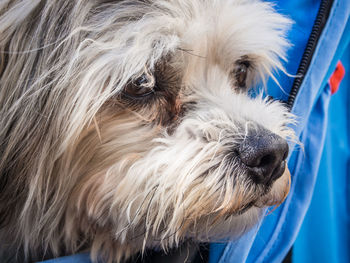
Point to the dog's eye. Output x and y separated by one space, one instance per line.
140 87
241 73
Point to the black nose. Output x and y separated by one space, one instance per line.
264 154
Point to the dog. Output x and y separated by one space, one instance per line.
134 124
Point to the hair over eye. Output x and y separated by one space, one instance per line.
142 86
241 73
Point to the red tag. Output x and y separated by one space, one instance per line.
337 77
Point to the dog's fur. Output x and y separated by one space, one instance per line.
86 165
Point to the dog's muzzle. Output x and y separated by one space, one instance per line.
264 155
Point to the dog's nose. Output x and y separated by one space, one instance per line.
264 154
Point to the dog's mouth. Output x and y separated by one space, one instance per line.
245 208
273 196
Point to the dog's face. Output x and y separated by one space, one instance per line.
151 136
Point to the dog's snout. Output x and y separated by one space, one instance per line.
264 155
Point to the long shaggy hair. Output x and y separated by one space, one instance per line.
120 122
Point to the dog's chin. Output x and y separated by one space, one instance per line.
232 225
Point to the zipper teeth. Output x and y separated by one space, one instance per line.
316 31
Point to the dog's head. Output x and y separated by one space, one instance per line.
129 124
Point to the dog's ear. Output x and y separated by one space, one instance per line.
15 19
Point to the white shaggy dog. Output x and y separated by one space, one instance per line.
127 125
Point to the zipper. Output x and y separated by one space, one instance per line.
317 28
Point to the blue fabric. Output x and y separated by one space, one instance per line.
79 258
271 241
303 13
327 223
